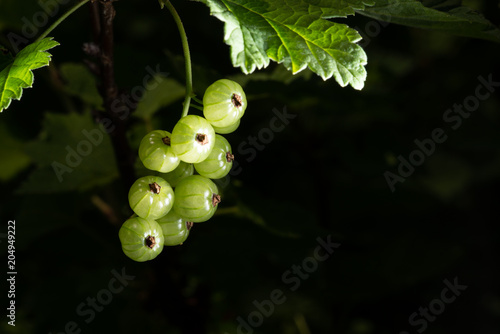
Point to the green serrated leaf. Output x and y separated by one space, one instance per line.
18 74
461 21
296 34
163 92
81 83
279 74
440 4
73 153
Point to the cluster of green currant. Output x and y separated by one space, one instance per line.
167 205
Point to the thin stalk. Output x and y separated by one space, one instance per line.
227 211
95 22
59 20
187 57
301 323
197 107
197 99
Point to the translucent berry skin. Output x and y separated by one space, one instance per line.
156 153
196 199
182 171
219 162
141 239
175 229
227 129
224 102
192 139
145 202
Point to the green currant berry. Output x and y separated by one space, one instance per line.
141 239
227 129
151 197
175 229
156 153
224 102
219 162
183 170
196 198
193 139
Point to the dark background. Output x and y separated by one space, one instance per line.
323 175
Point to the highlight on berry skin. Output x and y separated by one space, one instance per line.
141 239
219 162
151 197
156 153
195 198
224 103
192 139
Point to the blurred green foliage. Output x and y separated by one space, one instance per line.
322 175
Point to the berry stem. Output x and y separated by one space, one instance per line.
187 57
197 107
60 20
195 99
